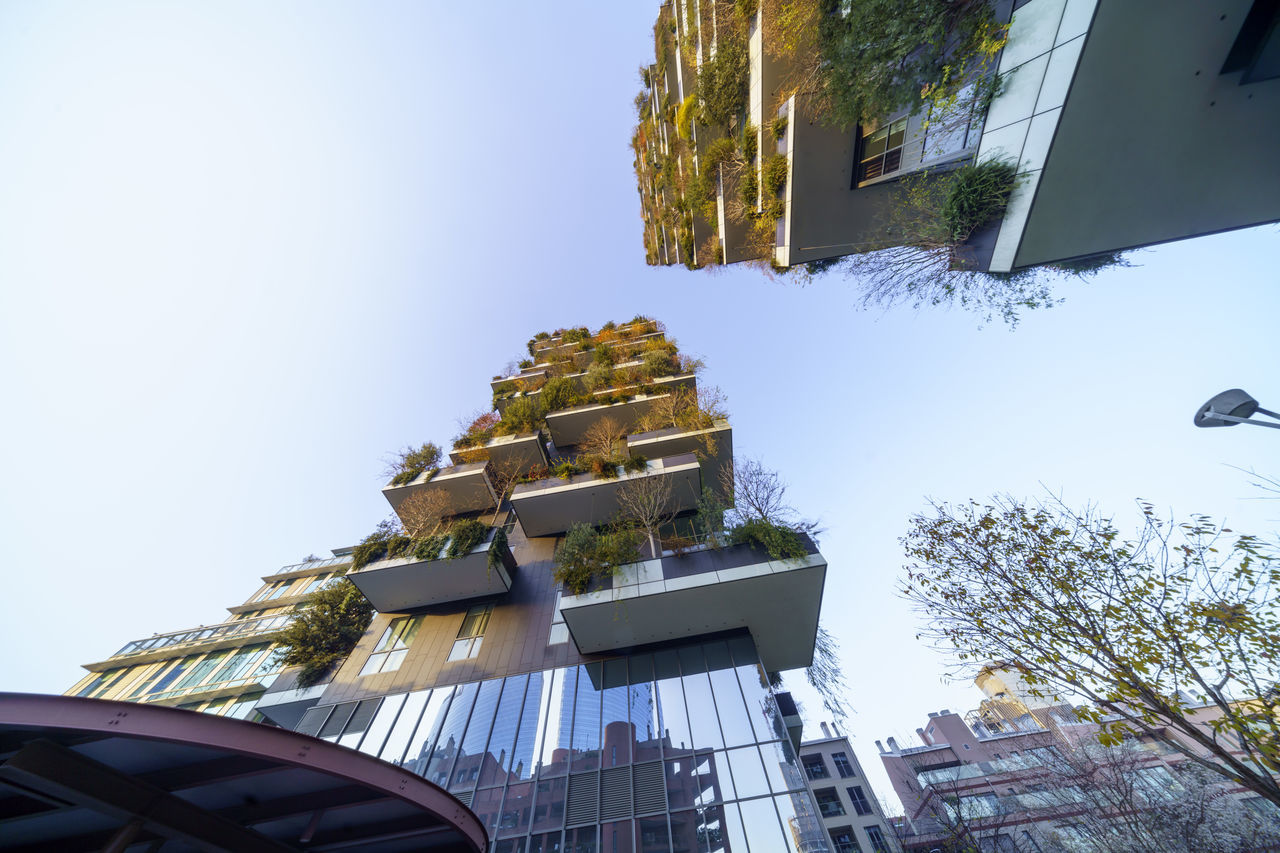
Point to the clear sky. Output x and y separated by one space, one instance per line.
247 250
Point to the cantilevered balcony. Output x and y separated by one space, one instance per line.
466 486
553 506
503 451
569 426
713 445
703 592
405 583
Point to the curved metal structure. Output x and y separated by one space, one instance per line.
88 774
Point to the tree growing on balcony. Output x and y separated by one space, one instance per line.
325 631
1173 633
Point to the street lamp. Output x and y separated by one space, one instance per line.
1230 408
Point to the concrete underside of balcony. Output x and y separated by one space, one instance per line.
407 583
552 506
706 592
519 451
466 487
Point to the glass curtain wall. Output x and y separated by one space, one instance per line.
681 749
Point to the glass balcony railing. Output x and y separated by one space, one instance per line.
307 565
242 628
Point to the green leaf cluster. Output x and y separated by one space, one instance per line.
587 554
324 632
778 540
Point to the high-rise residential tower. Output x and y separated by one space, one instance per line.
568 637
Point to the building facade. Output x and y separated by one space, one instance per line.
851 813
1078 81
221 669
628 709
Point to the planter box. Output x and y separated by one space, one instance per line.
407 583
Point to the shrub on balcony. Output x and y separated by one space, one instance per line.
779 541
524 414
775 174
599 374
324 632
409 464
722 82
478 432
978 194
560 393
466 535
374 546
684 116
587 554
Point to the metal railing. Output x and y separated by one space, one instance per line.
244 627
312 564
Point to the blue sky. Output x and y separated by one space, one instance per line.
246 251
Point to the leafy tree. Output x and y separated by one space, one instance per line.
409 463
1145 630
722 82
324 633
587 554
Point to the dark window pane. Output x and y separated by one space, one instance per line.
616 837
580 840
517 808
546 843
651 835
684 832
874 144
548 811
892 160
487 806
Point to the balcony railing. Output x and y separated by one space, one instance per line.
704 592
308 565
406 583
242 628
552 506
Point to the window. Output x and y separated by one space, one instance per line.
843 766
814 766
315 583
394 645
1157 784
882 150
471 634
861 804
876 837
843 840
828 802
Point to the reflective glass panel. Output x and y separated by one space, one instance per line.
703 721
760 821
548 809
712 832
684 832
546 843
672 719
405 724
734 722
734 835
616 727
760 705
651 835
580 840
509 845
644 709
801 823
451 728
466 769
616 837
517 808
748 773
586 719
424 737
781 765
498 757
557 723
532 725
487 806
380 725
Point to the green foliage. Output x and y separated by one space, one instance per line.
496 547
719 151
746 8
635 462
657 363
1146 630
587 554
778 540
574 335
477 432
599 375
374 546
466 535
749 189
775 174
559 393
324 632
977 195
750 143
722 83
779 127
644 76
684 116
410 463
877 58
523 414
429 547
708 522
565 469
1092 265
